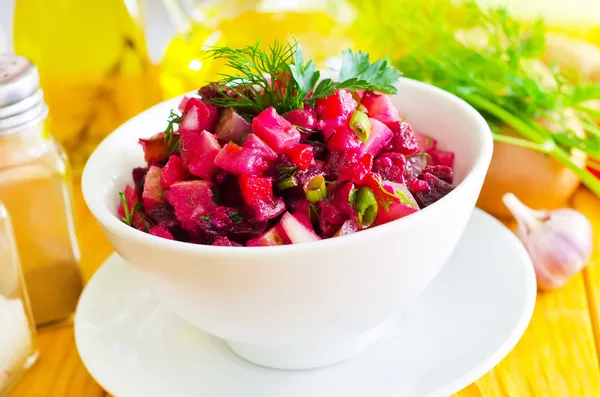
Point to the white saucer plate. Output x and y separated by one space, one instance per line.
467 320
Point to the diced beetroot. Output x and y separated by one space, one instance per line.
232 126
340 197
313 170
276 131
342 139
302 209
254 142
174 171
271 237
400 188
301 155
257 193
404 140
391 166
183 103
198 152
348 227
163 215
355 167
424 142
437 156
160 231
380 107
442 172
206 114
225 242
437 189
224 221
303 118
131 198
336 208
247 229
394 211
442 157
415 164
155 148
241 160
379 137
153 192
418 185
139 175
320 151
296 230
339 104
189 198
331 218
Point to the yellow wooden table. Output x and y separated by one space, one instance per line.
558 355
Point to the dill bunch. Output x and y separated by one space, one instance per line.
494 62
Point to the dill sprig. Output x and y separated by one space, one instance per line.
128 218
170 135
493 62
280 77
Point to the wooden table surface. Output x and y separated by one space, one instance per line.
557 356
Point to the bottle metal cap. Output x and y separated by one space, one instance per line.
21 100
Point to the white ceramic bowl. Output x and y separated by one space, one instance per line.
305 305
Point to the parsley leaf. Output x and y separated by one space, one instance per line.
305 75
357 72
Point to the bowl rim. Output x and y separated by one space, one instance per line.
109 221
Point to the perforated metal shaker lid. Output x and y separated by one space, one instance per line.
21 100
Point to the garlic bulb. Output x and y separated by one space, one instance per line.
559 242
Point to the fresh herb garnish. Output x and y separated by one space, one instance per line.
191 200
205 218
169 134
235 217
284 171
279 77
128 218
493 62
304 130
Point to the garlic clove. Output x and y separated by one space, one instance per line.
559 242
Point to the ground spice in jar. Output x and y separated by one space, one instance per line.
35 187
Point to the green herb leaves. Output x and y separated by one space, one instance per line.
497 64
358 72
280 77
305 75
169 134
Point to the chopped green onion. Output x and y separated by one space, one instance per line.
361 125
316 189
366 206
287 183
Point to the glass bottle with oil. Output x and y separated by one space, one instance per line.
320 26
93 65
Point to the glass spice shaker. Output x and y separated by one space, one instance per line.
18 350
35 187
